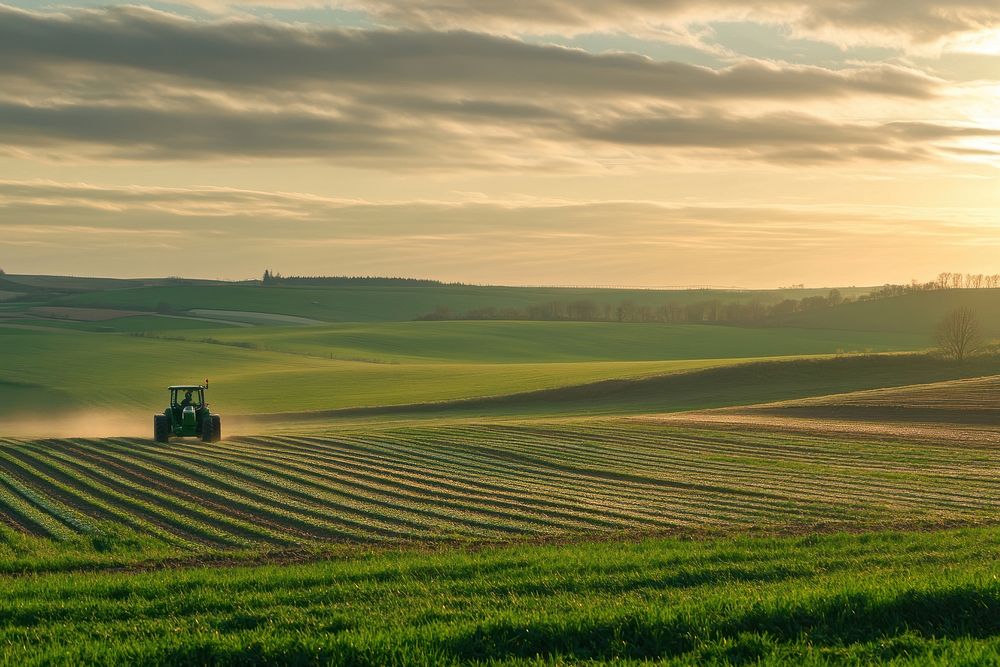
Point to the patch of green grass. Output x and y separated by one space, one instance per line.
720 385
526 342
162 323
119 373
153 323
23 397
851 599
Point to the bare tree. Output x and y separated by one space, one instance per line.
958 334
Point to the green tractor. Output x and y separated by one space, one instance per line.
188 416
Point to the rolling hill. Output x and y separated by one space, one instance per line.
392 303
914 313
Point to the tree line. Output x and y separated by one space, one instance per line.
271 278
944 280
588 310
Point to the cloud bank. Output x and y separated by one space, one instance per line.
486 241
135 84
900 23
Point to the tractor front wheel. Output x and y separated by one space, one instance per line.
216 428
161 430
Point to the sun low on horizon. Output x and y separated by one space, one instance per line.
753 143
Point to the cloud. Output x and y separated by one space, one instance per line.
207 131
898 22
79 228
129 83
261 55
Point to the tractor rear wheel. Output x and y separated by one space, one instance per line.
161 430
207 429
216 428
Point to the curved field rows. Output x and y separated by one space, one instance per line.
968 394
480 482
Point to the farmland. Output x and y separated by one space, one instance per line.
502 492
472 482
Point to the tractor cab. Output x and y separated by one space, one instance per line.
186 401
183 396
187 415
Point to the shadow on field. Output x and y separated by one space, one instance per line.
858 626
738 384
970 612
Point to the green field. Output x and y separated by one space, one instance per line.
925 598
137 323
299 369
129 374
527 342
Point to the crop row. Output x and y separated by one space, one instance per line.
488 481
973 393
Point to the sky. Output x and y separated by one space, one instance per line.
646 143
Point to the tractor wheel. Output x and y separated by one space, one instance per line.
207 429
161 430
216 428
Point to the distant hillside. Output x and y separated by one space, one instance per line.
88 284
369 303
911 313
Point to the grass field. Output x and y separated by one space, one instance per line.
926 598
725 384
526 342
293 369
138 323
126 374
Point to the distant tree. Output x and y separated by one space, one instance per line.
958 334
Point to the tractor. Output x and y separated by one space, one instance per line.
187 416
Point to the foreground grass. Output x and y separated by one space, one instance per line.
931 598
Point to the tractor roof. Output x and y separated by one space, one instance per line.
186 386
